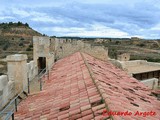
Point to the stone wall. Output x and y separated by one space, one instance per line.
31 70
153 64
125 64
135 38
67 47
59 48
151 83
133 63
96 51
6 90
17 70
16 79
44 47
118 64
124 57
50 61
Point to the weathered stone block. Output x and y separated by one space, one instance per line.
3 81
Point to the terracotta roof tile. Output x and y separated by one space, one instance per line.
120 91
82 87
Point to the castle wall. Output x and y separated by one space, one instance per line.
117 63
153 64
31 70
68 47
124 57
16 80
134 63
97 52
7 90
64 48
17 70
59 48
50 61
51 48
44 47
147 72
124 65
3 90
151 83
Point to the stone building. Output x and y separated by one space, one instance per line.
42 52
135 38
123 57
146 72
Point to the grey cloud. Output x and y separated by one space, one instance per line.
129 18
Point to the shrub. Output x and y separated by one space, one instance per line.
19 23
28 49
141 45
117 42
10 23
5 47
31 46
22 39
21 44
26 24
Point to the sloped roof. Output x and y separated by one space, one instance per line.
84 88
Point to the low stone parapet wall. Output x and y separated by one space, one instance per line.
151 83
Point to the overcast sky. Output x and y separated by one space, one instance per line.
86 18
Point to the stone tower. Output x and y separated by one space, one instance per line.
42 54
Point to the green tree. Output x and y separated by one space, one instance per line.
28 49
21 44
19 23
10 23
5 47
22 39
26 24
31 45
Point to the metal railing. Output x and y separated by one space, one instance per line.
40 76
9 110
11 107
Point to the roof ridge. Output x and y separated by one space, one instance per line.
97 84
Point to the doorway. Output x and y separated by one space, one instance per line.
41 64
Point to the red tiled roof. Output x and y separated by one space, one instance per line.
122 92
82 87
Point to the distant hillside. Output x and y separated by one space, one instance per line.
15 38
141 49
17 30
